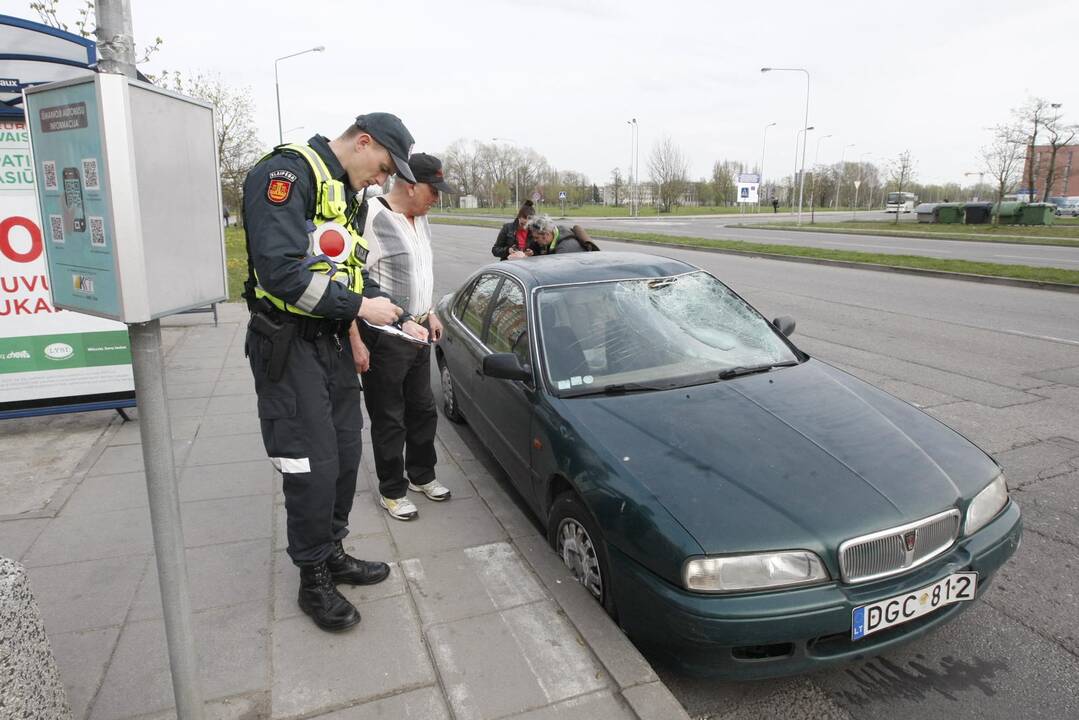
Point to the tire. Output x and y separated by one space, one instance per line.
578 541
450 407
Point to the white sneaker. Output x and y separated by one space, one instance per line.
434 490
402 509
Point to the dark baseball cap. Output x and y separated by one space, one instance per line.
428 169
389 132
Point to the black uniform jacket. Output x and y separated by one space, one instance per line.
279 199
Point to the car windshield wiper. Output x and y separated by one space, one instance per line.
741 370
623 388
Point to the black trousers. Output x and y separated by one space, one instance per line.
311 421
397 391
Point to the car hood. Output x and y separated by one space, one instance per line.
800 457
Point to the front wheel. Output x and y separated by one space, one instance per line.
579 543
450 407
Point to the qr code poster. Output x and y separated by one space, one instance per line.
48 170
90 178
56 229
97 231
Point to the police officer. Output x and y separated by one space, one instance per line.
306 287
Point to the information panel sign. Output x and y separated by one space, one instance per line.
748 187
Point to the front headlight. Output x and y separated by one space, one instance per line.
760 571
986 504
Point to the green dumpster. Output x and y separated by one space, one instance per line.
1037 214
950 213
1008 212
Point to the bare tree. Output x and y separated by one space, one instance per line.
1001 160
238 145
901 173
616 184
669 171
85 25
723 185
1031 117
1060 135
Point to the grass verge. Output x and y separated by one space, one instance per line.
1063 235
966 267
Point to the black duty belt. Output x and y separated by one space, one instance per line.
310 328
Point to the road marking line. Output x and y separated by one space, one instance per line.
1043 259
882 247
1050 338
552 650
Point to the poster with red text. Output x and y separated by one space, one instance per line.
48 356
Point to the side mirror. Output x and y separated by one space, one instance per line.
506 366
784 324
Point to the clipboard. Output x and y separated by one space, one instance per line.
397 332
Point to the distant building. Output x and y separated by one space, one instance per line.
1065 177
469 202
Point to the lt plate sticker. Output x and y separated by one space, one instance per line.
868 619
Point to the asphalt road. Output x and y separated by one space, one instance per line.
718 227
999 364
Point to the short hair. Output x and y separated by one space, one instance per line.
542 223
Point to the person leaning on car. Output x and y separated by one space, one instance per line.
513 240
549 238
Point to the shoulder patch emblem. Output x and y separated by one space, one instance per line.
284 175
278 190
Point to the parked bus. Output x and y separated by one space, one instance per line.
898 202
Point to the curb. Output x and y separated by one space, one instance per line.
946 274
961 237
640 687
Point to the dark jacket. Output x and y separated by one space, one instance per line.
570 239
507 240
277 233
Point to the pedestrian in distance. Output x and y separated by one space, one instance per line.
775 205
226 216
513 238
397 371
306 287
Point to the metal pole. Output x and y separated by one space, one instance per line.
277 90
637 164
760 184
802 182
117 47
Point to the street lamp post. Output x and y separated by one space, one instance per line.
801 184
858 183
516 172
981 177
816 174
760 183
634 202
794 173
842 158
277 87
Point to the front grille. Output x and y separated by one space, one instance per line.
898 549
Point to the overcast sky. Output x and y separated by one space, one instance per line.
564 76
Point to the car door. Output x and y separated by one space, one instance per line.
463 347
507 404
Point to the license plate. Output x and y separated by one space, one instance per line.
868 619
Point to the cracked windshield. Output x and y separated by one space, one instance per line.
651 334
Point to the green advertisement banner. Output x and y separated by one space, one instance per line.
64 351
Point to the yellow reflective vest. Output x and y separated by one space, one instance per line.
335 250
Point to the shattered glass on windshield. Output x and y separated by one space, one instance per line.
673 330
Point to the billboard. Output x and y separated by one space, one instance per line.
48 357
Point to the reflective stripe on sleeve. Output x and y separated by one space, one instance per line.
292 465
316 288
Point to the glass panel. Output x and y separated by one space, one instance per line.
661 332
475 311
508 321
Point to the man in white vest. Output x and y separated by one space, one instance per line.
397 371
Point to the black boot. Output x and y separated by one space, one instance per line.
351 571
320 599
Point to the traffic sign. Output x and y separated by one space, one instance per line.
562 195
857 184
535 197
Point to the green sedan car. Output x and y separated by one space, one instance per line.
741 508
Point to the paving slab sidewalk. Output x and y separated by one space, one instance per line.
477 621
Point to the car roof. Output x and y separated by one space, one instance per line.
590 267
